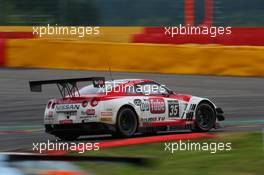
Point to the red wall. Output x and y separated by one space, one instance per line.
16 35
239 36
2 52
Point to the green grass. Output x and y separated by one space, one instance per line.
246 158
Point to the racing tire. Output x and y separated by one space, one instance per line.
67 137
205 118
126 123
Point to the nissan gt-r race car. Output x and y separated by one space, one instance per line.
122 108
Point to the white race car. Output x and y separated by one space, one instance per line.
123 108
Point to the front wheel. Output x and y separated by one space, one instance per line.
126 123
205 118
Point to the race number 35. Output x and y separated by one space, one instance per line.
173 106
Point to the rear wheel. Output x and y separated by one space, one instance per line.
126 123
205 118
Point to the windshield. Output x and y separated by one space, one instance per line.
109 86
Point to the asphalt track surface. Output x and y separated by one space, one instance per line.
21 111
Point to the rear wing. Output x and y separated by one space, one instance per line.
67 87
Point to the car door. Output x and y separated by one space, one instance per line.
153 105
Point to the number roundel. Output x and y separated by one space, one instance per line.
173 106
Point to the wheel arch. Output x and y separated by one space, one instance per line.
133 109
211 104
194 128
128 106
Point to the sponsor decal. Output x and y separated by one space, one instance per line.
88 114
50 114
189 115
137 102
90 111
108 109
67 107
65 121
88 117
99 83
48 119
71 113
157 105
192 107
106 119
144 106
153 119
86 120
106 114
173 106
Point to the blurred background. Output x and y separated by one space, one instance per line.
127 12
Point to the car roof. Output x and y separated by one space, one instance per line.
122 81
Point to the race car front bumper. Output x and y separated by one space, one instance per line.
220 114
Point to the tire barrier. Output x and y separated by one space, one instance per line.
178 59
